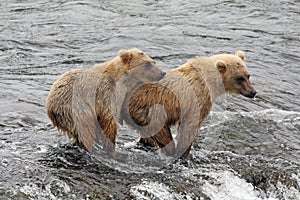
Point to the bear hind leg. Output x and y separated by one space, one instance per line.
163 140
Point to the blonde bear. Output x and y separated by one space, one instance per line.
86 103
184 97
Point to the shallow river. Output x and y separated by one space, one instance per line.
248 149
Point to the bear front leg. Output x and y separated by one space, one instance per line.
87 131
186 154
187 132
109 128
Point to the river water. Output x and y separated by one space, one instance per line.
248 149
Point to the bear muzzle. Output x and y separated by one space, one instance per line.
251 94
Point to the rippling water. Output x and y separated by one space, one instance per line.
247 149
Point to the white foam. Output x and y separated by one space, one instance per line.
154 190
130 145
275 115
218 185
34 191
30 190
42 148
297 178
227 186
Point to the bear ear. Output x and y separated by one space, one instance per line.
240 54
221 66
125 56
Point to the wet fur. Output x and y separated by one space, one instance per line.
86 103
186 95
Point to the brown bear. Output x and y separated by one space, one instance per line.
85 103
184 98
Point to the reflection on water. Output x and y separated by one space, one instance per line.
247 149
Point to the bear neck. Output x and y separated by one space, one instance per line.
124 87
113 69
211 76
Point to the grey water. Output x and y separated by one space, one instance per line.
247 149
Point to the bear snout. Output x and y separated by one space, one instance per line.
253 93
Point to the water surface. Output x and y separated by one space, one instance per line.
247 149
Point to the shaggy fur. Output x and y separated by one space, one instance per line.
86 103
184 97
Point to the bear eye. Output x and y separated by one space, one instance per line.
240 79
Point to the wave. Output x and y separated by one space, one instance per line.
231 186
273 115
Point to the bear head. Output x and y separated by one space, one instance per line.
140 66
234 73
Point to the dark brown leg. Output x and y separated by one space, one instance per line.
109 128
186 154
148 142
163 139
